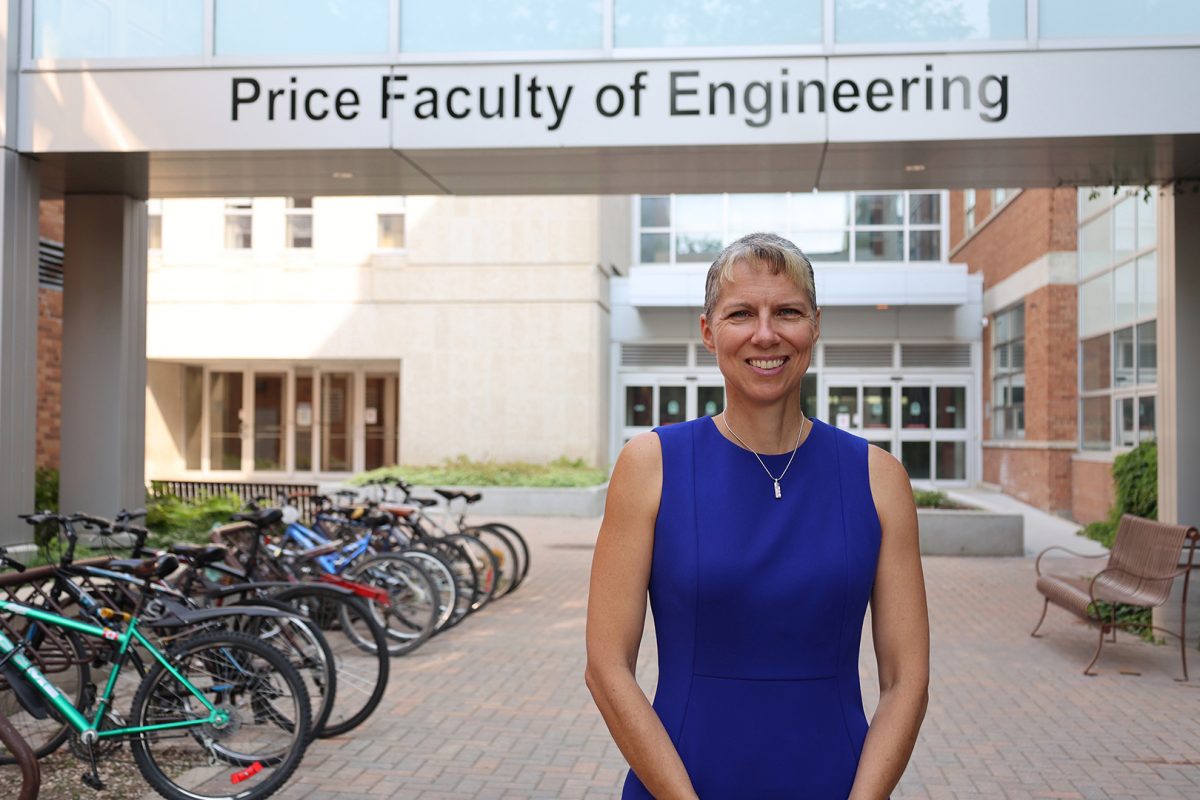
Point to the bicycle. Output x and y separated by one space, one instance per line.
251 734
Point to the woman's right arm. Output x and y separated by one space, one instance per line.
617 615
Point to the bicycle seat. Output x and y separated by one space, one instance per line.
260 518
403 512
471 497
449 494
320 550
200 555
423 501
145 568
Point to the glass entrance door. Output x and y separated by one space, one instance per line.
653 400
865 409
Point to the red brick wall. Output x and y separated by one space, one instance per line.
1091 490
49 376
1050 364
1033 223
1039 477
50 220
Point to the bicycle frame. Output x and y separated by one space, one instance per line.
334 563
9 650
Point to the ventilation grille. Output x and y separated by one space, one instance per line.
704 358
936 355
858 355
654 355
50 264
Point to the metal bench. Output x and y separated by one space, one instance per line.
1142 566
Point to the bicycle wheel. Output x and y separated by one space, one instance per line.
412 610
466 576
247 757
486 564
359 648
443 578
301 641
519 539
507 563
62 656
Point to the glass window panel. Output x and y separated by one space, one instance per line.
749 213
922 21
1095 245
390 232
1096 422
1124 228
999 426
951 407
820 211
1001 394
1147 222
808 395
693 247
1017 313
1123 357
951 461
924 245
268 422
710 400
1147 353
1123 296
429 26
225 420
1085 19
154 234
672 404
699 212
299 230
1092 199
1002 362
193 416
289 27
238 231
302 440
1018 354
1096 363
1095 304
843 406
914 407
1125 422
924 209
1145 418
1003 327
118 29
1018 420
337 404
825 246
879 246
877 407
639 406
380 414
915 458
656 212
685 23
1017 388
879 209
1147 286
656 248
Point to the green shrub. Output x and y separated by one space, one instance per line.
930 498
1135 491
462 471
45 498
171 519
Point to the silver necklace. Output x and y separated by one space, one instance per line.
778 493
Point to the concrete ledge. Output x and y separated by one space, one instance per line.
527 501
953 532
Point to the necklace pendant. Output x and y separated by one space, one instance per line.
778 494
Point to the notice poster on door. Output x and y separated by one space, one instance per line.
843 420
372 416
304 414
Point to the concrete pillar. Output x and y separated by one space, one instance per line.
18 341
104 354
1179 385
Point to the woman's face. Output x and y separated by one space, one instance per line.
762 332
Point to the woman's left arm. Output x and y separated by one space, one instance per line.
900 630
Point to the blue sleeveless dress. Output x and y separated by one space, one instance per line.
758 609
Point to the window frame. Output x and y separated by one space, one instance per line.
239 208
292 212
1010 411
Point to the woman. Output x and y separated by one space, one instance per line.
761 537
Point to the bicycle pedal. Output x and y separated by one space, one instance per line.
93 780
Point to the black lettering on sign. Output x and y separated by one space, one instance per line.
239 98
677 92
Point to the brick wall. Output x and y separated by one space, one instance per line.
1033 223
1038 476
50 220
49 376
1091 490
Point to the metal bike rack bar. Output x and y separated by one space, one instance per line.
31 774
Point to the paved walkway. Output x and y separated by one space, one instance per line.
497 708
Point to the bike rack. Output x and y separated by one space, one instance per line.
31 774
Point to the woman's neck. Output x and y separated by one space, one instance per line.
768 430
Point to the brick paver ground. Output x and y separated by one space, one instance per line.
497 707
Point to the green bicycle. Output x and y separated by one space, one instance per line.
218 715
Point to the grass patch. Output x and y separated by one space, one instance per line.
929 498
462 471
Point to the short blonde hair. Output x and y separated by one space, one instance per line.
769 250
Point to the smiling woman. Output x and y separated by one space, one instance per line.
759 551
